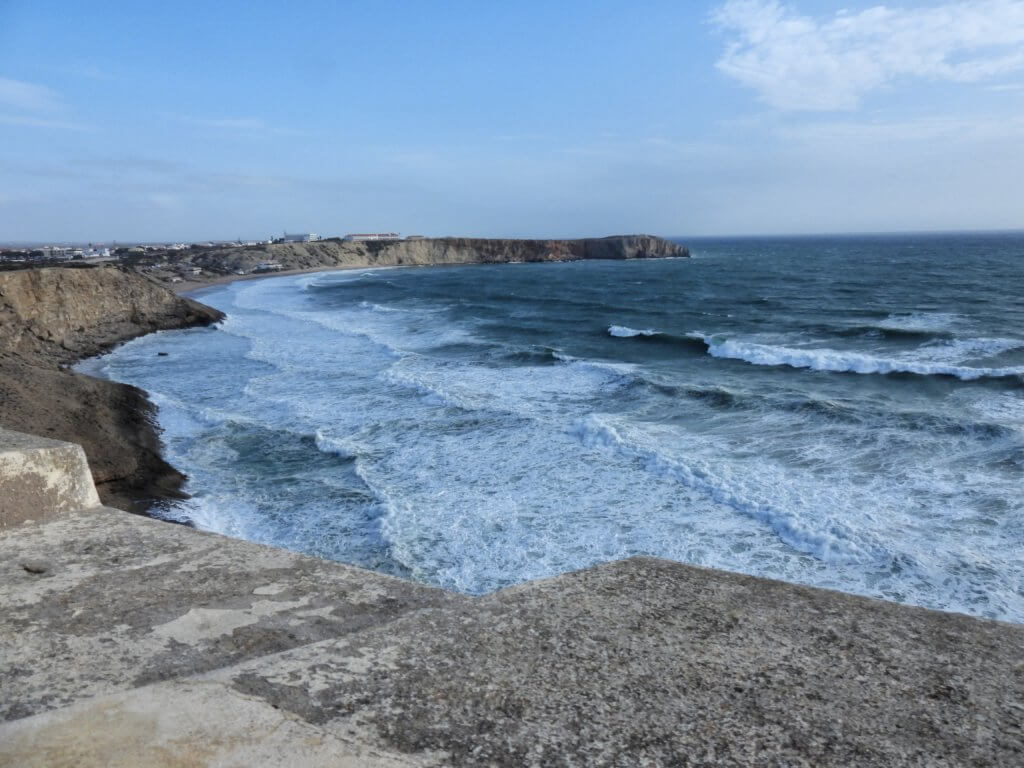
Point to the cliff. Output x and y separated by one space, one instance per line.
50 318
447 250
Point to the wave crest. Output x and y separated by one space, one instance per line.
625 332
836 361
830 540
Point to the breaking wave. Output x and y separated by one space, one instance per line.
623 332
829 540
841 361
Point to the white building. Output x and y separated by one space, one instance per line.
300 238
364 237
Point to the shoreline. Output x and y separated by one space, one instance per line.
56 318
193 289
438 252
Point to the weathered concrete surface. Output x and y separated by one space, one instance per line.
184 724
101 601
641 662
647 662
128 641
41 479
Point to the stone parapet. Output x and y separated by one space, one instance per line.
42 479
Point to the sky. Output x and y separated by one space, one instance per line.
138 121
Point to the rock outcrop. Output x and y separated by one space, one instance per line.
50 318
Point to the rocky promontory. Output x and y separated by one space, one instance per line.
223 260
51 318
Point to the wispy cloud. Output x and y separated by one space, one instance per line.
229 123
28 97
29 121
31 105
948 131
240 125
799 62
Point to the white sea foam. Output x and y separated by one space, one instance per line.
923 321
826 538
334 445
842 361
551 467
534 391
624 332
962 350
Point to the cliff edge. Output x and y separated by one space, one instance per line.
50 318
226 260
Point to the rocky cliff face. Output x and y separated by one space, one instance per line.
448 250
68 314
50 318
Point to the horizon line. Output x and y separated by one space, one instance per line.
715 236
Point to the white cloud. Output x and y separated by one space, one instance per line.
241 126
28 97
799 62
40 122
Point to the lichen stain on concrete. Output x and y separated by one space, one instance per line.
205 623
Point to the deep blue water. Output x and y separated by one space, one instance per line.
842 412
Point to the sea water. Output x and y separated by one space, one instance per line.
842 412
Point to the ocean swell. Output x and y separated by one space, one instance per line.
837 361
829 540
624 332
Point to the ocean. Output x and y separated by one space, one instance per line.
840 412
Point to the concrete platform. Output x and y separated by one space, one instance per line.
126 641
113 601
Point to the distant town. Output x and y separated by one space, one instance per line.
189 265
88 252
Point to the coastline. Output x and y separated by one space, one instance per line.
761 670
55 318
194 289
87 312
116 423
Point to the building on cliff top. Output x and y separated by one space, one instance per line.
308 237
363 237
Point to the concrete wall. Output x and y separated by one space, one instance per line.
41 479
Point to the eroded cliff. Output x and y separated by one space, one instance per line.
419 252
50 318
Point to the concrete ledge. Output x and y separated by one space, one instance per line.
129 641
42 479
114 601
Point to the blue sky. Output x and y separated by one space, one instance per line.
146 121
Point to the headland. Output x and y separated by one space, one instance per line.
197 266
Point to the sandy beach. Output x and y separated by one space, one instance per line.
195 288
